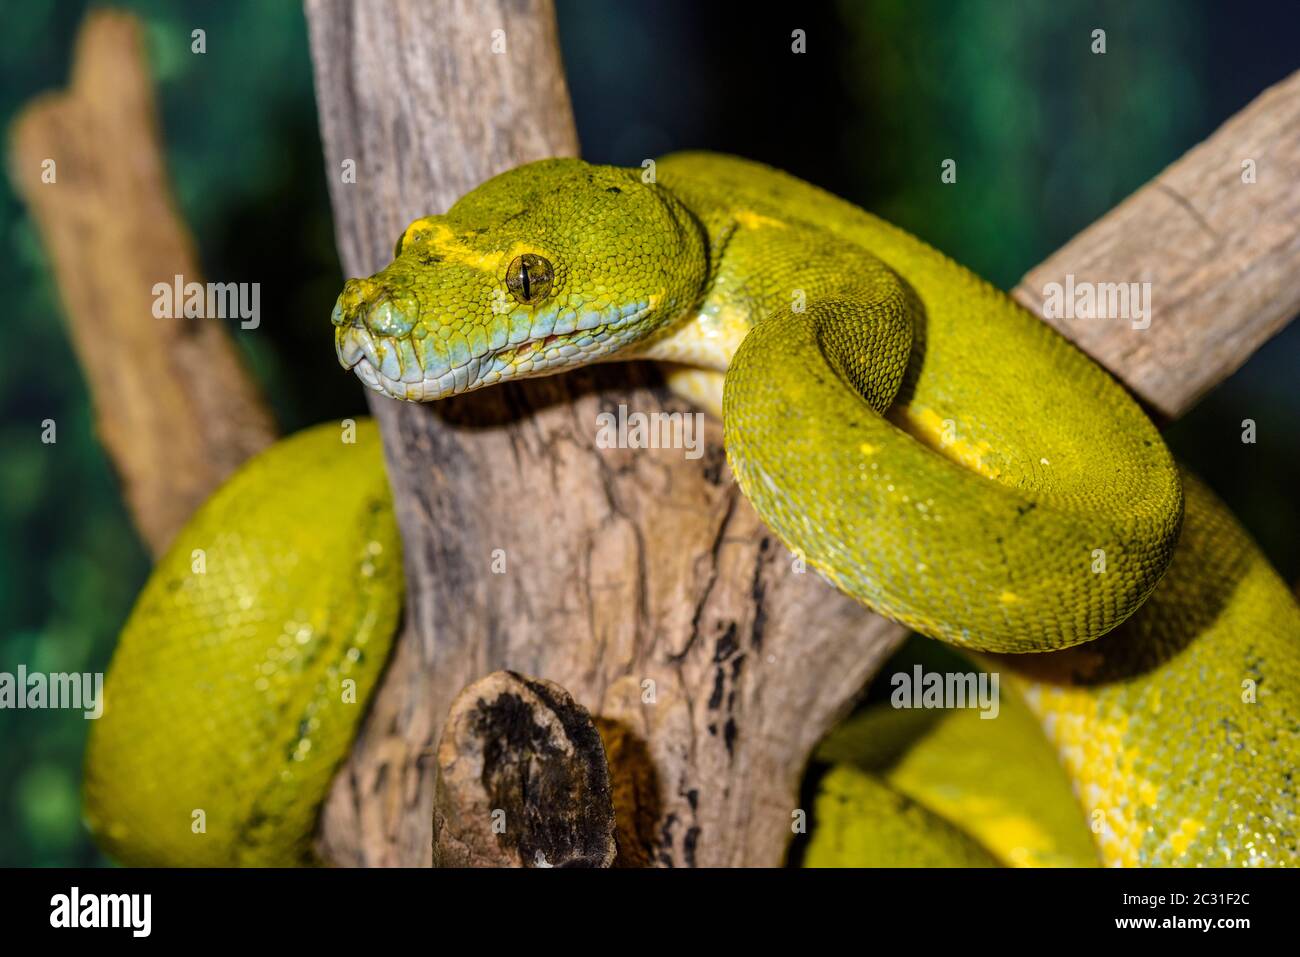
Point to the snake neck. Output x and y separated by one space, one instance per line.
761 261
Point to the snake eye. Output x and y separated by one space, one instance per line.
529 278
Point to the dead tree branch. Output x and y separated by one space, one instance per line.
174 404
1217 235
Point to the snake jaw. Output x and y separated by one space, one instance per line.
416 369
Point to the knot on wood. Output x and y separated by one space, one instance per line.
522 780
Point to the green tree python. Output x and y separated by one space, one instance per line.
927 445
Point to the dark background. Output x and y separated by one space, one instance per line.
1047 137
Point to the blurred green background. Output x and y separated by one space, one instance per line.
1047 137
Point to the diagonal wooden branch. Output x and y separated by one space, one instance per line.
174 404
640 581
1217 235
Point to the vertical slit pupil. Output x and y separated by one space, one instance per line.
523 271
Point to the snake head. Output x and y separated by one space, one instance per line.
551 265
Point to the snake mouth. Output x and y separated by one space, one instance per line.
408 369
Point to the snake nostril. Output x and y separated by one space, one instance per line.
390 316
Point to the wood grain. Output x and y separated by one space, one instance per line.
174 404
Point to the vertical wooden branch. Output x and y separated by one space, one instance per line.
174 404
640 581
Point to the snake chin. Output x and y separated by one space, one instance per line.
396 389
378 364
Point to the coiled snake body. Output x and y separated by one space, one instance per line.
927 445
